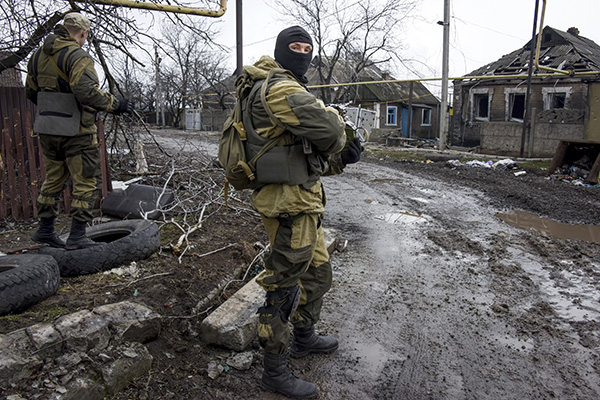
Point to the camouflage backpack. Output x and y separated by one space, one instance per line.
239 172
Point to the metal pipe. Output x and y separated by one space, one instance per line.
539 45
459 78
162 7
529 74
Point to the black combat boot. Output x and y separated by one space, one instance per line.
306 341
277 377
45 234
77 238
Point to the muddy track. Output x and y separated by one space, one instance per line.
437 298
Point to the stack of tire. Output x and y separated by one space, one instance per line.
27 279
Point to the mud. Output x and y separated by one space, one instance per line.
434 297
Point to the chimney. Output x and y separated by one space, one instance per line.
573 31
385 76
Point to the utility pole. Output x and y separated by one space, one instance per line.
239 46
444 105
157 78
527 116
159 104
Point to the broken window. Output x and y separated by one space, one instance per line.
556 97
392 115
517 106
426 117
557 100
481 106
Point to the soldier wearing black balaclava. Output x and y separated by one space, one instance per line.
288 194
292 60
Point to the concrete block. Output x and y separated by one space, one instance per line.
235 323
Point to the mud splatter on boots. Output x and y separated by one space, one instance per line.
77 238
306 341
46 235
277 377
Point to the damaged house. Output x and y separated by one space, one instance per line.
489 112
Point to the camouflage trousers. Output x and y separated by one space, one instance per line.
77 157
298 258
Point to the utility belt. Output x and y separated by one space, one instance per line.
57 114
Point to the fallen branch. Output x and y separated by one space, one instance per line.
214 251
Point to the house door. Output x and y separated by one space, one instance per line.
405 121
592 123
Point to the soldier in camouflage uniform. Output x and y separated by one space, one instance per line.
61 66
297 271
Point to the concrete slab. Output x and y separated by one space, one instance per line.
234 323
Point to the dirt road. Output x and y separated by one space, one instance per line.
435 297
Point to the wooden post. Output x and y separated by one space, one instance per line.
10 168
21 173
34 179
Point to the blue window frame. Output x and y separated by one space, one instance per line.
392 115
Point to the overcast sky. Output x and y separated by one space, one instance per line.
481 31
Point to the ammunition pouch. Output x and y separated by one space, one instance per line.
57 114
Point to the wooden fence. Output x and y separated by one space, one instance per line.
21 168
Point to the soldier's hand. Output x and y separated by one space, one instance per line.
125 106
352 154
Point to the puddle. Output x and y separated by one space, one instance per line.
516 343
372 354
373 202
574 301
386 180
400 218
535 223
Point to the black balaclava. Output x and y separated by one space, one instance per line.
296 62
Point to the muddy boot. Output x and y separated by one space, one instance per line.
306 341
77 238
277 377
45 234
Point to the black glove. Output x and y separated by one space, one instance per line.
125 106
352 154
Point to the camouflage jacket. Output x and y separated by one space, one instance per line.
305 116
75 63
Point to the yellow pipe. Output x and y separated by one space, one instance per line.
162 7
539 45
482 77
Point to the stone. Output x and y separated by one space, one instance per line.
119 373
17 361
47 340
241 361
235 323
131 322
83 331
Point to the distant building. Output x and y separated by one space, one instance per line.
489 112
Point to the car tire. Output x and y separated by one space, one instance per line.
121 242
25 280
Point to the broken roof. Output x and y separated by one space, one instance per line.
566 51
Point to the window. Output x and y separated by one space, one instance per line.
481 100
426 117
556 97
517 106
557 100
515 103
481 106
392 115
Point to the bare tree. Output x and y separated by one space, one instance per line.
350 37
115 30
